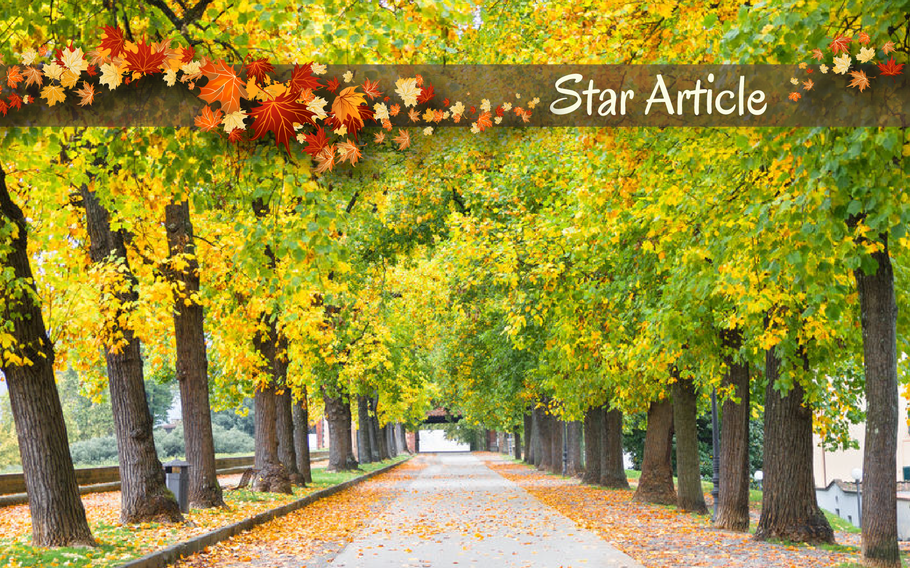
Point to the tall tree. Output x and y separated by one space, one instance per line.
57 514
685 410
733 502
656 482
302 436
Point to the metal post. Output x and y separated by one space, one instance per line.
565 448
715 445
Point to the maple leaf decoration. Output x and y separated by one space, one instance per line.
349 110
333 85
794 96
348 151
859 81
15 101
224 86
302 79
13 76
484 121
426 94
144 59
208 120
86 94
3 107
403 139
863 38
891 68
278 116
188 54
258 69
112 41
817 54
840 43
316 142
888 47
371 89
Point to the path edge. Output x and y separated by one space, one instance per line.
170 554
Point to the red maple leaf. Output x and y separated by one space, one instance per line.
208 120
500 111
333 85
13 76
112 41
484 121
188 54
3 108
445 102
840 43
15 101
472 110
278 116
316 142
302 79
426 93
236 136
863 38
223 86
891 68
258 69
145 59
371 89
794 96
91 70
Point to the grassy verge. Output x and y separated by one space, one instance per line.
120 543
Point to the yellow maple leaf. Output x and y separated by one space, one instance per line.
345 106
53 94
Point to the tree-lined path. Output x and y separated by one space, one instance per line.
459 512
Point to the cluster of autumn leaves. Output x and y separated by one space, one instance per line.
841 64
295 109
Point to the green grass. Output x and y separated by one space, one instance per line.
117 544
840 524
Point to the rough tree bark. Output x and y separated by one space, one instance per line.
594 431
529 454
733 501
375 450
287 451
363 430
271 475
536 436
192 364
656 482
58 517
143 494
878 312
612 469
516 435
338 415
402 438
557 431
690 497
789 508
573 443
302 437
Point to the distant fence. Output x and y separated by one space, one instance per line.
96 479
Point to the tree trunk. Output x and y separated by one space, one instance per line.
393 444
271 475
573 443
656 482
556 446
363 430
733 501
192 363
691 498
529 454
402 438
338 415
143 494
878 312
594 431
789 506
516 435
302 438
287 452
612 468
537 445
58 517
375 444
384 452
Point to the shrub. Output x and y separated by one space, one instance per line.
94 451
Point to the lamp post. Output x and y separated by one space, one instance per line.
858 477
715 444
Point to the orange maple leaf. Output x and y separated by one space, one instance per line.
112 42
371 89
413 115
387 124
403 139
794 96
33 76
224 86
325 160
349 110
279 115
891 68
840 43
86 94
484 121
348 151
13 76
208 120
817 54
859 81
863 38
144 58
379 137
394 110
808 84
888 47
